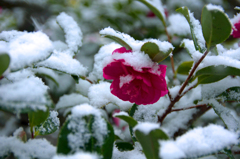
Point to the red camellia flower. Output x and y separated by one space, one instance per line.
136 78
236 30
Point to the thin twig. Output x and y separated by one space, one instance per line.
178 97
169 95
196 106
189 89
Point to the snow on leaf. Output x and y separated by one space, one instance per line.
100 95
73 33
26 94
71 100
25 49
78 155
37 148
198 142
50 125
64 62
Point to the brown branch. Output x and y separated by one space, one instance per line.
178 97
196 106
169 95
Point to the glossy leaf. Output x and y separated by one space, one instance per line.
228 152
131 113
216 26
212 74
49 126
124 146
150 142
118 40
4 63
231 94
185 12
184 67
62 145
154 10
37 118
131 122
154 51
107 147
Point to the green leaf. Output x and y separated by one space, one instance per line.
231 94
49 126
216 26
184 67
62 145
124 146
4 63
38 117
150 142
154 10
212 74
107 147
228 152
185 12
131 122
47 76
154 52
118 40
131 113
76 78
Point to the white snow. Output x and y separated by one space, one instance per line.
135 153
37 148
197 30
125 79
214 89
51 123
137 60
146 127
121 114
82 87
104 51
214 7
73 33
198 142
80 133
235 19
14 94
26 48
69 100
64 62
178 25
78 155
136 44
100 95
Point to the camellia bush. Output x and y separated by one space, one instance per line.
119 79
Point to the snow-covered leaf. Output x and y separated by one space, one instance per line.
63 62
73 33
195 27
28 94
216 26
38 117
231 94
156 7
37 148
49 126
198 142
148 135
154 52
228 116
86 130
25 49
